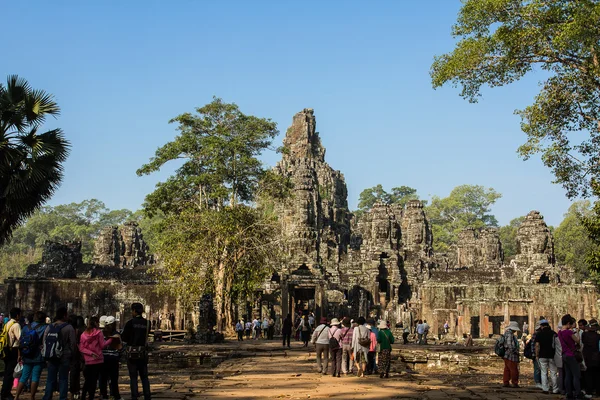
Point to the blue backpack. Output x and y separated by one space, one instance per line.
30 341
52 346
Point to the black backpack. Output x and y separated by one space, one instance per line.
334 344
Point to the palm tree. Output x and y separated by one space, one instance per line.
30 162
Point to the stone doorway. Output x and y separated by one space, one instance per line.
475 327
497 323
303 300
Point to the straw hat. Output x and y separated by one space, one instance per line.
382 325
513 326
109 320
334 321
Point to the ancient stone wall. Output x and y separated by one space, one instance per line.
122 247
479 249
59 260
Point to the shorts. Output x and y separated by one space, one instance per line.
33 371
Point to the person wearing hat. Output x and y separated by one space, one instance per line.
545 350
372 354
320 339
335 347
591 354
511 355
385 339
112 355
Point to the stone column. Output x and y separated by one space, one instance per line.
483 321
285 300
506 315
531 316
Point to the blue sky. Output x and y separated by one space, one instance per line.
121 69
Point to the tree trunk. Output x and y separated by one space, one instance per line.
220 292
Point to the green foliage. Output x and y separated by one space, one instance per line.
227 253
466 206
572 244
508 237
399 196
210 240
30 161
76 221
219 145
500 41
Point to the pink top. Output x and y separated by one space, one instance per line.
373 342
92 344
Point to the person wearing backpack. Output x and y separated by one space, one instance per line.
135 335
385 338
545 350
9 351
112 356
335 347
510 346
361 343
30 349
320 339
58 347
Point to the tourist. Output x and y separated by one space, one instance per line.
320 339
31 354
286 330
370 325
558 361
271 329
361 343
446 327
59 333
530 347
248 329
405 333
525 328
135 335
582 327
591 355
239 328
426 329
311 320
12 331
265 328
78 324
256 328
569 339
544 354
346 342
90 347
420 332
511 355
385 339
304 329
112 354
335 347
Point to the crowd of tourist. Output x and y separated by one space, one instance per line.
565 361
69 346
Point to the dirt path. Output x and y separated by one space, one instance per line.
261 370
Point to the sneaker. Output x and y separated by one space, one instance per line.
539 386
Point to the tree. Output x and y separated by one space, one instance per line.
508 237
30 162
75 221
226 253
219 147
398 196
500 41
208 238
573 247
466 206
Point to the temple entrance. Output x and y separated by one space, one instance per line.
303 300
497 325
474 327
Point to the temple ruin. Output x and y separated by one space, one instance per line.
380 264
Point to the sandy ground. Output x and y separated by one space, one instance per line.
263 370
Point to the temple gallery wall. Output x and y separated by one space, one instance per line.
381 264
